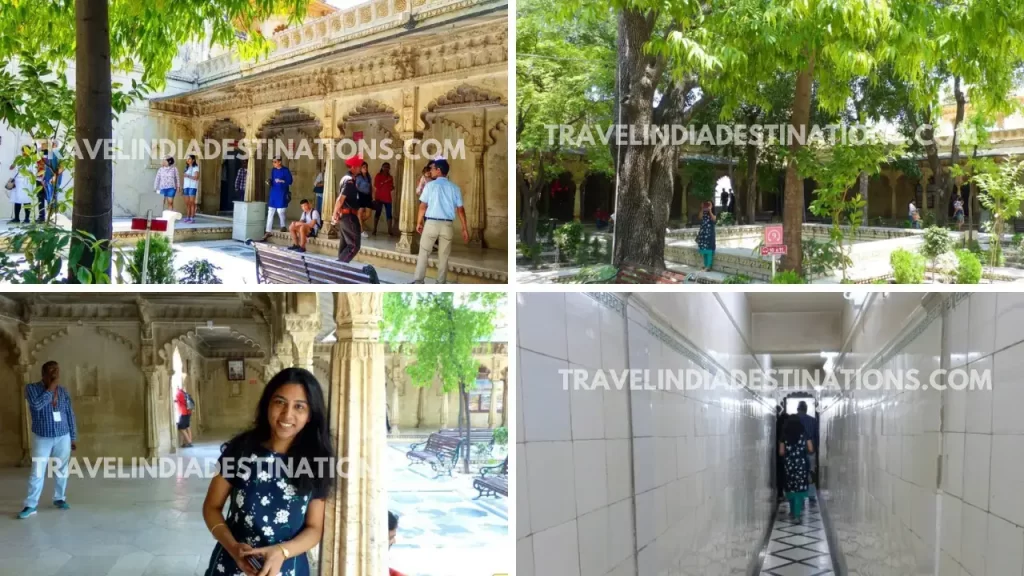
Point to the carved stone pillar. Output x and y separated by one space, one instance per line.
925 176
504 398
250 172
355 538
22 372
302 329
330 190
410 126
151 382
894 181
478 219
408 202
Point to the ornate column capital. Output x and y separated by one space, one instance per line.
358 314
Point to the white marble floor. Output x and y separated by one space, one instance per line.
115 527
798 549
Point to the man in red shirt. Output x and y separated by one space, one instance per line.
181 403
383 186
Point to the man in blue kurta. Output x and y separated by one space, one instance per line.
53 436
280 181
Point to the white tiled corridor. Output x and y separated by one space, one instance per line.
652 481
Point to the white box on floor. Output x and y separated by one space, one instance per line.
250 220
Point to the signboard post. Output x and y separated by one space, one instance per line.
149 225
773 244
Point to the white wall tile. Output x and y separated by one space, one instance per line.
540 321
616 413
982 339
545 402
953 464
954 410
583 329
552 488
644 473
646 524
591 476
556 551
1009 319
975 539
979 402
587 409
1007 478
524 556
613 339
952 523
1005 553
620 532
593 542
523 526
618 461
1008 390
977 454
625 568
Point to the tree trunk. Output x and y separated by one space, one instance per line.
93 124
464 401
863 180
635 236
750 195
793 196
946 183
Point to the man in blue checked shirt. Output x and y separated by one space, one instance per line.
53 436
440 204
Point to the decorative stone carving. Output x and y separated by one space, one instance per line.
356 315
462 98
46 342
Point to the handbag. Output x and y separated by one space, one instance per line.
10 184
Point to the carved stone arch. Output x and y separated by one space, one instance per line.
497 132
166 351
183 124
12 342
463 132
367 109
295 113
221 125
43 343
111 335
463 97
249 341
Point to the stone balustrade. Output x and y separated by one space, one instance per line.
373 17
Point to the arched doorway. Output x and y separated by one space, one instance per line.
218 194
291 134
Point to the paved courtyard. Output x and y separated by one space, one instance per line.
442 531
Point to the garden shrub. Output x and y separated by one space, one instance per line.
907 267
788 277
161 261
969 269
737 279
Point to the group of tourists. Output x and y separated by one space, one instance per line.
361 201
39 183
795 469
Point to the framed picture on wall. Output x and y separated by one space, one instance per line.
236 369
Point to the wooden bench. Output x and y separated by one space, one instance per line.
493 480
277 265
440 452
476 436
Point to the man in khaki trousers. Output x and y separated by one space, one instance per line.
440 202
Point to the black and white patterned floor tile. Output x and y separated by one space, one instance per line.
798 549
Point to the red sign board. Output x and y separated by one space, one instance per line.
773 235
158 225
773 250
357 136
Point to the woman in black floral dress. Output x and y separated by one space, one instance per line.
706 235
793 449
270 474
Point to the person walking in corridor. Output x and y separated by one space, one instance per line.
793 449
54 436
780 470
184 405
810 425
440 203
706 235
346 212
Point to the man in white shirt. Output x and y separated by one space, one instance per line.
305 228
